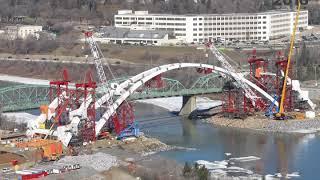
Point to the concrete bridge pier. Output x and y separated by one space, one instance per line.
188 105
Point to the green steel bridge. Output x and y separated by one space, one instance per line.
25 97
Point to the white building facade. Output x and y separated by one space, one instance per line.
22 31
199 28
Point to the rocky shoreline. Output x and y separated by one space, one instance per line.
117 160
263 124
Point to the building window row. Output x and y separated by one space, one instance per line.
229 34
149 23
180 34
230 28
281 26
283 31
171 24
170 19
180 29
240 38
233 23
171 29
280 15
280 20
230 18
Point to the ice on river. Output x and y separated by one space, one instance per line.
175 103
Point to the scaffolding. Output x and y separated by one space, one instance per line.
85 91
60 89
281 65
235 103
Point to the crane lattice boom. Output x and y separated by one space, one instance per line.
237 76
97 60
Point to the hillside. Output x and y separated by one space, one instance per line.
102 11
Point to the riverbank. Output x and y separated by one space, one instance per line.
261 123
131 159
109 158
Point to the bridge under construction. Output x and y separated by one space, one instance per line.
85 110
72 107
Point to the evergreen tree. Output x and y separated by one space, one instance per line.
196 166
187 170
203 173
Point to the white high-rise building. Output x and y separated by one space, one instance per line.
202 27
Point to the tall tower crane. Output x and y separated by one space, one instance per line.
249 93
280 114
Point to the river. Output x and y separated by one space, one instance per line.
284 153
279 153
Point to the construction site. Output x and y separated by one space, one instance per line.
85 121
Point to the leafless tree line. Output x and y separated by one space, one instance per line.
43 10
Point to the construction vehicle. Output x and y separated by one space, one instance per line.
280 115
51 149
270 111
131 131
31 174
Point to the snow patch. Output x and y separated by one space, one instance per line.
175 103
245 159
171 104
225 169
20 117
213 165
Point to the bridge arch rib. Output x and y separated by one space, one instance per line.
143 77
128 87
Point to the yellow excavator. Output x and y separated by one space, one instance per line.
281 114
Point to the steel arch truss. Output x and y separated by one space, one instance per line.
210 81
204 85
23 97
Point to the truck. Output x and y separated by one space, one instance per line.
52 151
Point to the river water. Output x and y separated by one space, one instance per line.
279 153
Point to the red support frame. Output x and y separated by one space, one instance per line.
156 82
83 90
235 104
56 90
258 69
123 118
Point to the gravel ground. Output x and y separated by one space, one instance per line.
263 124
294 126
99 161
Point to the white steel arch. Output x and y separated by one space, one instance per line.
128 87
142 78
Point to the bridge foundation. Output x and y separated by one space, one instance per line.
188 105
